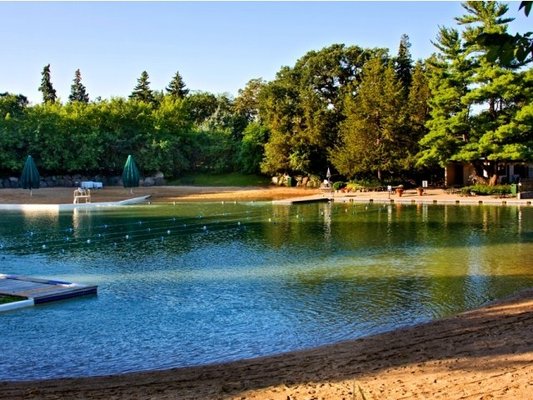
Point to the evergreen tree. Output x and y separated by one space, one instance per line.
497 92
49 93
176 87
403 64
450 73
142 91
77 90
371 134
509 50
417 112
479 108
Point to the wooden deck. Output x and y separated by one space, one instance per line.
42 290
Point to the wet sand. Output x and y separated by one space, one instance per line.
482 354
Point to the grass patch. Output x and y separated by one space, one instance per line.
4 299
230 179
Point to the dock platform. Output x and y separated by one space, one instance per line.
42 290
318 198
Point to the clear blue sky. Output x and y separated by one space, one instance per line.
216 46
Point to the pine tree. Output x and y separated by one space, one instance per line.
77 90
449 75
49 93
464 80
371 135
417 110
497 92
142 91
176 87
403 64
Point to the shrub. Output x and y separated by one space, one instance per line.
364 184
338 185
486 190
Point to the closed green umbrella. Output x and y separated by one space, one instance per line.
30 178
130 175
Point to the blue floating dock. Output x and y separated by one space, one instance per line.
39 291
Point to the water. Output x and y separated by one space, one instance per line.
201 283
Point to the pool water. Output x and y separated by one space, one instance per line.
198 283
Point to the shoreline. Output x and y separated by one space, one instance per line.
51 197
480 354
483 353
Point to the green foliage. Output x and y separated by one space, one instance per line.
48 91
364 185
487 190
247 102
176 87
338 185
371 134
228 179
403 63
77 90
479 107
142 91
252 148
303 107
366 113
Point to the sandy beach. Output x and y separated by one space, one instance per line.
485 353
61 195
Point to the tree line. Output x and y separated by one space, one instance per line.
363 112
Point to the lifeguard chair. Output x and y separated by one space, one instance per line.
82 194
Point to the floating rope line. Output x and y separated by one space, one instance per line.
149 229
136 231
110 227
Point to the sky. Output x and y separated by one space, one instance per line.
216 46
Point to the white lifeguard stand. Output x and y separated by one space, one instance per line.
82 194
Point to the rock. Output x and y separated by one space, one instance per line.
149 181
160 181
